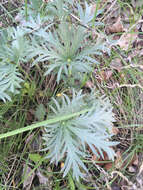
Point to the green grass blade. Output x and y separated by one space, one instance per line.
26 10
43 123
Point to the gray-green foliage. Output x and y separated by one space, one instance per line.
13 50
10 80
57 9
87 15
13 45
69 139
66 50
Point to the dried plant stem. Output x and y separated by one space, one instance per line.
129 85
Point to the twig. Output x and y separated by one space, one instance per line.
117 85
122 176
110 8
132 66
129 85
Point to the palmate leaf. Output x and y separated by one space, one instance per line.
87 15
65 50
69 139
59 8
4 96
13 50
14 45
10 80
35 24
47 11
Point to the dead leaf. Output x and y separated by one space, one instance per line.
136 160
100 159
30 115
94 34
139 43
105 75
115 187
42 179
122 75
115 130
133 161
28 179
89 84
123 160
108 166
97 159
139 177
116 64
118 161
116 27
141 53
34 143
29 138
131 169
126 39
116 37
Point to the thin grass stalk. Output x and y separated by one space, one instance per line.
43 123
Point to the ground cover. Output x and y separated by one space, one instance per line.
50 51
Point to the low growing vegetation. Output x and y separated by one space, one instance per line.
71 100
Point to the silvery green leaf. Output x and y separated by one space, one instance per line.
69 139
65 51
86 15
9 81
